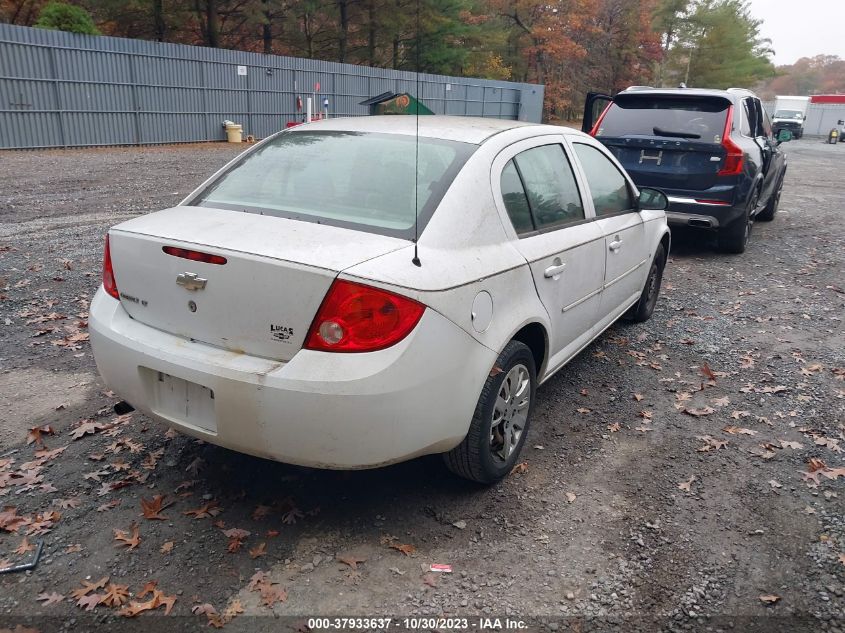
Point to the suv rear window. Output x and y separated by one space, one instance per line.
666 117
357 180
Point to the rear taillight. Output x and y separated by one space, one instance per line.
358 318
194 256
733 152
109 284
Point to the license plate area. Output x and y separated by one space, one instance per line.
181 401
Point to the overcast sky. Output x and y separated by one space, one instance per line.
802 28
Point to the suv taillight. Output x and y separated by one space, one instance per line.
733 152
109 284
358 318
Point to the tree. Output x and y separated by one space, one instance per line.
719 46
58 16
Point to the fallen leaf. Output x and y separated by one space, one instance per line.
583 410
351 560
615 427
519 468
686 486
88 602
115 595
259 550
711 443
699 412
166 548
775 484
49 598
637 397
24 547
203 609
88 587
707 372
36 434
151 508
788 444
210 509
125 539
430 580
769 599
570 497
407 550
735 430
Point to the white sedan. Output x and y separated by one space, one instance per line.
304 305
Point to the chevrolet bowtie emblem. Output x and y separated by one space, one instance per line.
190 281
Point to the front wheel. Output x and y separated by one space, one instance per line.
644 308
768 213
500 423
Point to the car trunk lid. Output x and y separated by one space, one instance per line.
670 141
261 301
668 163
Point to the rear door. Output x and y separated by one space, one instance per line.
622 227
670 141
555 233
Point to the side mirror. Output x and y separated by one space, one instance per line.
784 136
840 122
652 200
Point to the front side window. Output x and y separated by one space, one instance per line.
364 181
608 187
550 186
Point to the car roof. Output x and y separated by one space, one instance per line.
465 129
730 93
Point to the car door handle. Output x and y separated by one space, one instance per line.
615 245
553 271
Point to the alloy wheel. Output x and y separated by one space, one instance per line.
510 412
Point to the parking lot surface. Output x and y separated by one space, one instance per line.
680 474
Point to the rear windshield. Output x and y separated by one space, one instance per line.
357 180
702 119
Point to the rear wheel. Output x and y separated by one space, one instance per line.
734 237
768 214
643 309
500 423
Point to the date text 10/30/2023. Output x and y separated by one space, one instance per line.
416 624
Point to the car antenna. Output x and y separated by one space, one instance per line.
416 260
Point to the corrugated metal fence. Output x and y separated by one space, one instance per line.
64 90
821 117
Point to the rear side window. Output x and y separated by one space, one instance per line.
550 187
515 199
608 186
692 119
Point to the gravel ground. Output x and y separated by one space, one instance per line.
654 497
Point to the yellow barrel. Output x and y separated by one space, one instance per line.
234 133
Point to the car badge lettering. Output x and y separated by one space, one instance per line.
191 281
644 156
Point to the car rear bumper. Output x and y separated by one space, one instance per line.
686 211
320 409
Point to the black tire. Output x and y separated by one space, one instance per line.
768 213
643 309
733 238
477 458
